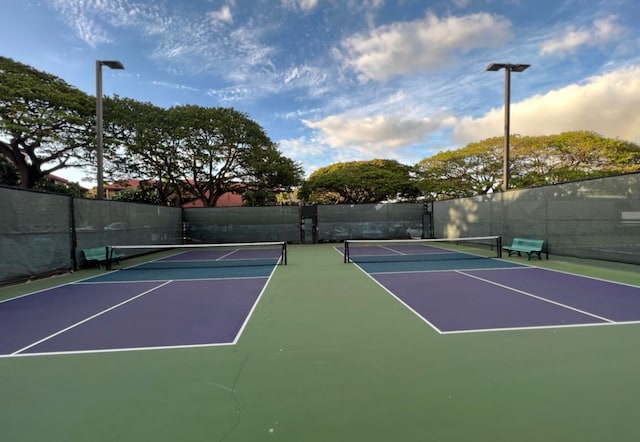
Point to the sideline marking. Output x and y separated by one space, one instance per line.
19 353
522 292
88 319
522 266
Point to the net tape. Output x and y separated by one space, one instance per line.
204 255
422 249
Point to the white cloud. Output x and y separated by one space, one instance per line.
420 45
94 21
303 5
377 136
311 152
608 104
603 31
222 16
174 86
301 147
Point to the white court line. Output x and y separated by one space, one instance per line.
391 250
525 266
255 304
522 292
88 319
422 318
538 327
227 254
129 281
583 276
447 270
167 347
113 350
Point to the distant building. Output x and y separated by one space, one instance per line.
110 190
57 181
228 199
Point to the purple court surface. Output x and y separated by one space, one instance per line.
454 301
193 298
91 316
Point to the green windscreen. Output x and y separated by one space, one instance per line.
35 234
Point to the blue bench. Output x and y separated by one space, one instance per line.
526 245
101 254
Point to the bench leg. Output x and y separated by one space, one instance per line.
530 254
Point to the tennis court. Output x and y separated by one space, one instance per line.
458 290
193 297
322 350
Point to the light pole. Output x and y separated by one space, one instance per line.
113 64
507 105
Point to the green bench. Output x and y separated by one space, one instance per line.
526 245
101 254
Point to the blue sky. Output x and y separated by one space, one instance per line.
343 80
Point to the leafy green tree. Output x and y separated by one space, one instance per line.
255 198
145 194
464 172
359 182
221 147
196 151
142 145
571 156
47 184
45 124
477 168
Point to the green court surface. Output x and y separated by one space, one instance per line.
330 356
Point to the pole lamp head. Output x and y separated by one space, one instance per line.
113 64
508 66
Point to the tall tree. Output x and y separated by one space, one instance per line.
197 151
472 170
222 150
571 156
359 182
476 169
45 124
142 145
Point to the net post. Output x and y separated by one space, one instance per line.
284 253
346 251
499 245
108 253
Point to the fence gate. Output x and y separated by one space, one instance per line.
309 225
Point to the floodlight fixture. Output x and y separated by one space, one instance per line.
113 64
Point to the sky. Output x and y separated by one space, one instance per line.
344 80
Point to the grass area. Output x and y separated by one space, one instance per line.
330 356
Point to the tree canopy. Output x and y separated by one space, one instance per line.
359 182
45 124
535 161
196 151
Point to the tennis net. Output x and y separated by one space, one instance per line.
201 255
422 249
